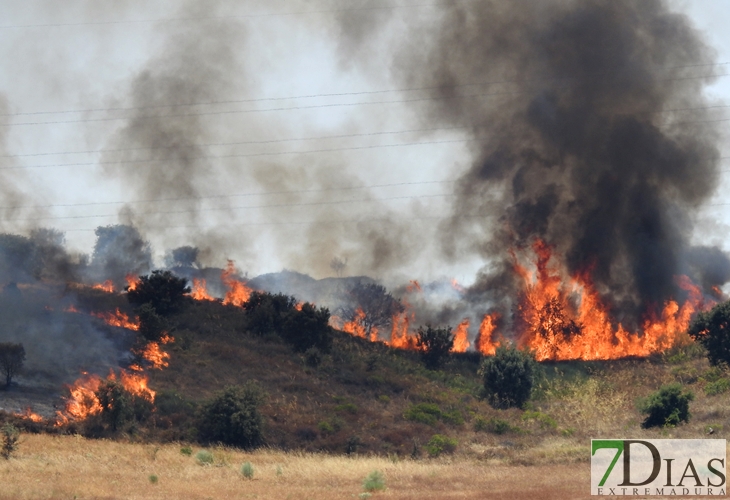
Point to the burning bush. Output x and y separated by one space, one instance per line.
232 417
712 330
435 344
162 290
308 327
508 377
374 306
115 401
666 408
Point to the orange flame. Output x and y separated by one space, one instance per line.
556 329
461 337
356 327
29 415
456 286
83 402
107 286
132 281
71 309
200 290
151 352
117 318
484 343
238 292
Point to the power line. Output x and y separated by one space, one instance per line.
239 143
335 94
242 155
239 195
247 207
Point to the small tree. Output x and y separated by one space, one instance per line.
666 408
152 326
378 305
712 330
232 417
116 407
308 327
161 289
10 438
12 357
435 344
508 377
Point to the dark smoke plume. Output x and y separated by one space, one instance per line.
586 133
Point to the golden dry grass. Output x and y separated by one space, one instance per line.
67 467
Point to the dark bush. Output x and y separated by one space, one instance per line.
232 417
162 290
152 326
712 330
12 357
116 404
313 357
667 407
307 328
508 377
266 312
435 344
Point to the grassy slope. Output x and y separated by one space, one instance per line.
325 407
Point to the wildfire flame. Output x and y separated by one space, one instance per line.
238 291
83 402
29 415
557 329
118 319
461 337
152 353
107 286
132 282
484 342
200 290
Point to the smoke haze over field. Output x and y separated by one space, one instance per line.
407 141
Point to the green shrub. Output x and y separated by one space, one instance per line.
710 328
717 387
312 357
247 470
232 417
434 345
308 327
116 405
667 407
425 413
347 408
186 450
162 290
493 425
508 377
204 457
10 438
439 444
453 417
325 427
152 326
266 312
374 481
545 421
153 478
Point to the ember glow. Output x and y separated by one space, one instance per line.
107 286
238 292
565 318
118 319
29 415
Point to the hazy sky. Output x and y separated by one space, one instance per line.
277 145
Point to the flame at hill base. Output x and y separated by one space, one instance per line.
238 292
118 319
564 319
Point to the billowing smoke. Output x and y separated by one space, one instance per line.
590 131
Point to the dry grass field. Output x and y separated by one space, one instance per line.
68 467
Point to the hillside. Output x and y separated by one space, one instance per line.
365 397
